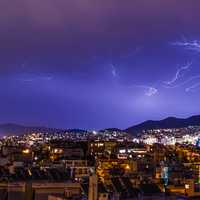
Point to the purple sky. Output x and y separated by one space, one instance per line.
94 64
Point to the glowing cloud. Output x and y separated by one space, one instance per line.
151 91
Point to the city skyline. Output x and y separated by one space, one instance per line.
90 65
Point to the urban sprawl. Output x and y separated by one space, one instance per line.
103 165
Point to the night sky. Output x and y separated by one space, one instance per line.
96 64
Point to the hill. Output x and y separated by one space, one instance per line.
15 129
170 122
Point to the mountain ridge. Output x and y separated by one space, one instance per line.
16 129
169 122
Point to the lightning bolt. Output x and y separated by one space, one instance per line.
28 78
193 88
192 45
178 74
113 71
185 82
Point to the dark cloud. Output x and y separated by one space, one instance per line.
56 58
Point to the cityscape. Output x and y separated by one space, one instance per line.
99 100
101 165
